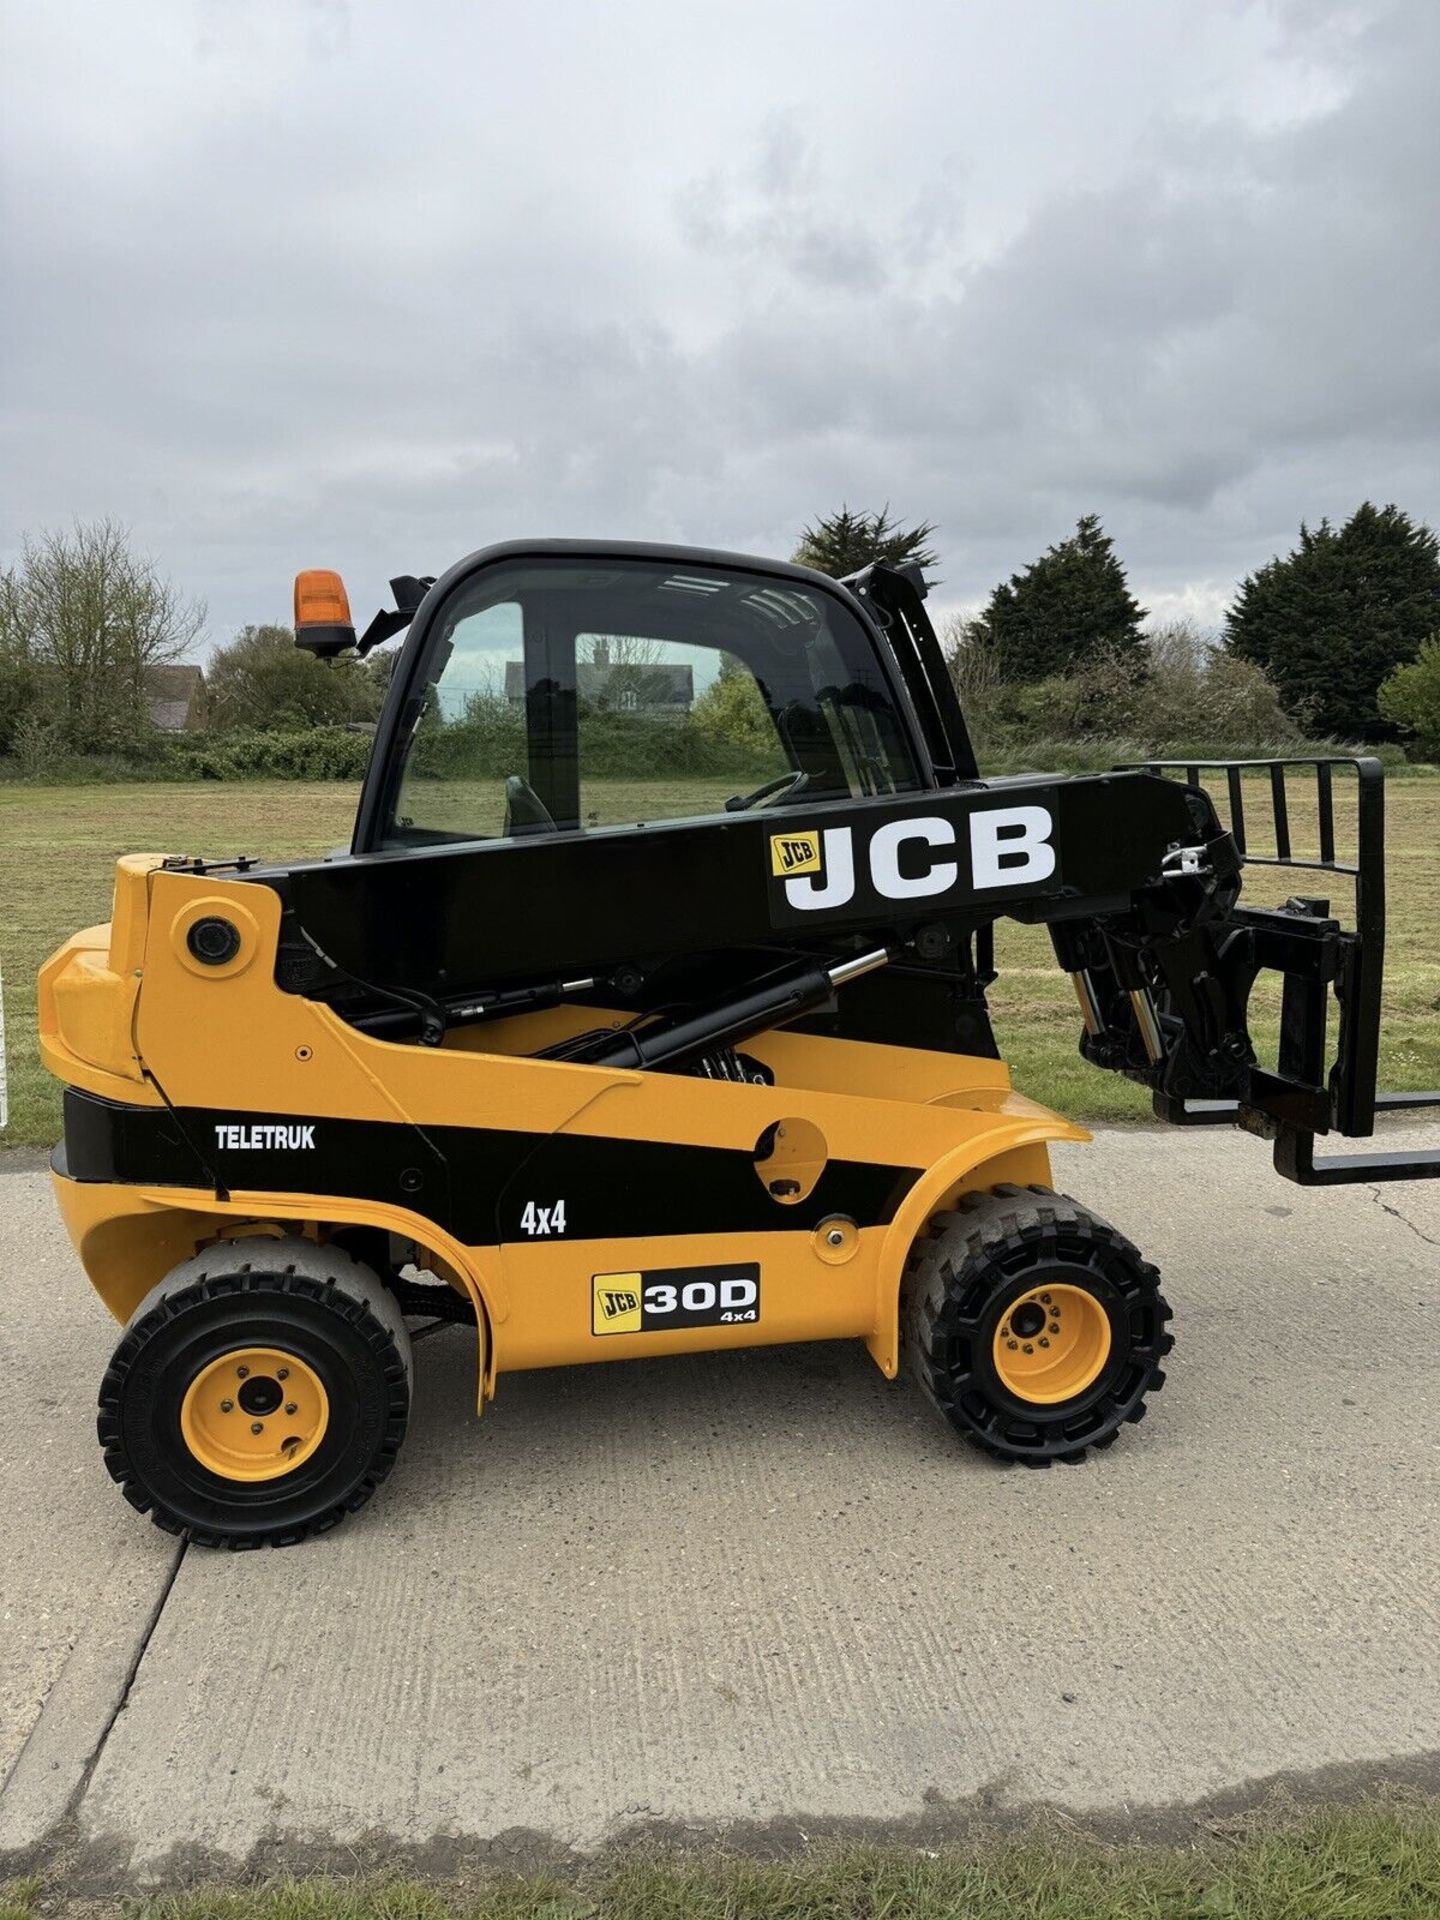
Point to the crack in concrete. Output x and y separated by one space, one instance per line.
142 1647
44 1790
1403 1218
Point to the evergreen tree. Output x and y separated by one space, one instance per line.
1330 621
841 543
1063 609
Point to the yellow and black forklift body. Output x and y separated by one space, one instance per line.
602 1089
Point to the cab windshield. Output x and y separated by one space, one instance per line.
565 694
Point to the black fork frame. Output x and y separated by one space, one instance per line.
1349 1099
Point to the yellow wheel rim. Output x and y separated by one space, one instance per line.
254 1414
1051 1344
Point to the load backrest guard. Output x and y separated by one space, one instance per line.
1282 813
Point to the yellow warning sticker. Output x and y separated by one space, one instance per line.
794 853
615 1307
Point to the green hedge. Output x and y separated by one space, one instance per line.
1100 755
319 753
614 746
490 742
489 746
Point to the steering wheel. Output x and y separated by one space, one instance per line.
779 789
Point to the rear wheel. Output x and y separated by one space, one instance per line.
1034 1326
258 1395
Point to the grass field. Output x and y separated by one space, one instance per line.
58 846
1379 1862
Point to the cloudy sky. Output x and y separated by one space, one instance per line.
370 283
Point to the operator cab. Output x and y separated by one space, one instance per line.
560 688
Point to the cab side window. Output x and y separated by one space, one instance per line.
557 695
466 732
667 730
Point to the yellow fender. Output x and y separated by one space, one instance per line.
1015 1149
130 1237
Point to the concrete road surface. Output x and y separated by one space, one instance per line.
760 1590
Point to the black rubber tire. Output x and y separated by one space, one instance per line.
321 1304
964 1273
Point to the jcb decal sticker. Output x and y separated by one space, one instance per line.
794 853
616 1305
674 1297
914 857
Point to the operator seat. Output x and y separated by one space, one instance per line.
525 811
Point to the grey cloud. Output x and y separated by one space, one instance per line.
364 304
788 228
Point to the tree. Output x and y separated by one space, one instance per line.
1063 609
1411 698
19 675
81 619
618 650
1329 621
378 668
262 679
841 543
1192 691
732 711
975 673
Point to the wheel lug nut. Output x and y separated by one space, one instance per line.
1045 1299
243 1372
1013 1345
257 1426
290 1406
1043 1341
1028 1347
282 1373
1054 1326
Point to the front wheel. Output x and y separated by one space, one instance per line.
259 1393
1033 1326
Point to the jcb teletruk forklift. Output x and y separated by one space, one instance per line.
606 1062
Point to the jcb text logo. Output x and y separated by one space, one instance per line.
918 857
794 853
615 1303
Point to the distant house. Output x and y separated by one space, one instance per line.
659 693
175 697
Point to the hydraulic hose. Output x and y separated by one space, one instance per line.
726 1023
